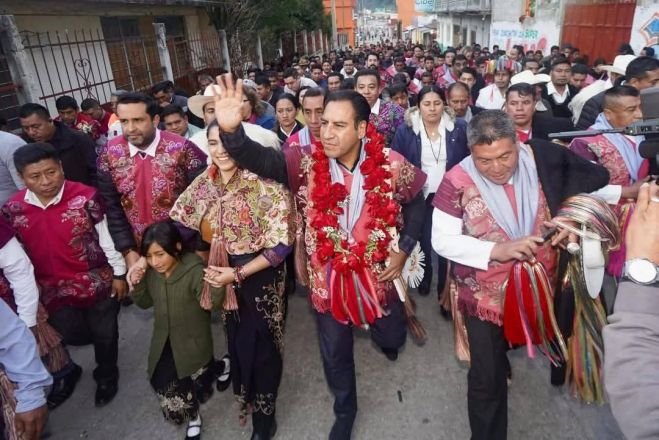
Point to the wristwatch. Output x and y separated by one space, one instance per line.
642 271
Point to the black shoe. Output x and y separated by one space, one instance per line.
446 314
265 428
390 353
64 387
224 375
105 392
424 288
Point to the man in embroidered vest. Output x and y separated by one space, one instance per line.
352 187
386 117
618 153
63 228
142 172
490 211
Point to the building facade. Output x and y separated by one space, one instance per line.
88 48
346 22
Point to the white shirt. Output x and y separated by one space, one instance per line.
449 242
346 76
304 82
150 150
18 269
430 164
490 98
558 98
114 257
376 108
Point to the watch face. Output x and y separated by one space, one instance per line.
642 271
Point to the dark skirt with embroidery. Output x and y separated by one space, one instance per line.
255 335
180 398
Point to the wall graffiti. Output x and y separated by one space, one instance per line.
540 36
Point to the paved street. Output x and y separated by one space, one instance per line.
421 396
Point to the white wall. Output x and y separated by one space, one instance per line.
470 22
646 13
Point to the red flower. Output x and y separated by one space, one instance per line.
326 198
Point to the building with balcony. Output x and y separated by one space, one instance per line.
463 22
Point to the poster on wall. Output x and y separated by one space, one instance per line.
425 6
645 29
539 36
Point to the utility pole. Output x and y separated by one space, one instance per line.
335 40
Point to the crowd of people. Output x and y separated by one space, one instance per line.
326 173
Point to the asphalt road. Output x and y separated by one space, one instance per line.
420 396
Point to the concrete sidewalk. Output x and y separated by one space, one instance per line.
421 396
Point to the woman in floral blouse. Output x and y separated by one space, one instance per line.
248 222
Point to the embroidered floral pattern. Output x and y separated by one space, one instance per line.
177 407
176 163
256 214
80 274
480 293
273 308
390 117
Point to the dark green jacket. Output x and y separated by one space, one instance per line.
178 315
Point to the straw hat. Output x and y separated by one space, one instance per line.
529 78
620 64
196 103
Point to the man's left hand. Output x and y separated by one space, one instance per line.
119 289
395 267
29 424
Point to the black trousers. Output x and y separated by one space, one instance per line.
93 325
336 349
487 387
426 246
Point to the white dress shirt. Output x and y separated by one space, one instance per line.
115 259
490 98
375 110
18 269
149 151
433 162
558 98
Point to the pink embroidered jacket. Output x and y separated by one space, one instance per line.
141 190
481 293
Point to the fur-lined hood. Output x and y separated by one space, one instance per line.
413 119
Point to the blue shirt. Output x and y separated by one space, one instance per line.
20 358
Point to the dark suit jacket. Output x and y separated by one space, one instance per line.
77 152
560 110
542 125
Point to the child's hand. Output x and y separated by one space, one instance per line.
136 273
219 276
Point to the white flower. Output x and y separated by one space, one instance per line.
413 269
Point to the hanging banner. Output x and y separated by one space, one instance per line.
426 6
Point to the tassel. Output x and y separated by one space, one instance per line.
218 257
299 249
353 298
415 327
8 400
49 342
586 347
528 317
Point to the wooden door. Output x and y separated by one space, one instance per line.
598 29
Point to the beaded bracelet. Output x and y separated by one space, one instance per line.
238 276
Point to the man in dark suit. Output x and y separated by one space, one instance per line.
520 106
559 92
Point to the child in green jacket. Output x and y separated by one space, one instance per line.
181 364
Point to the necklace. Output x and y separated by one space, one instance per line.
432 147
